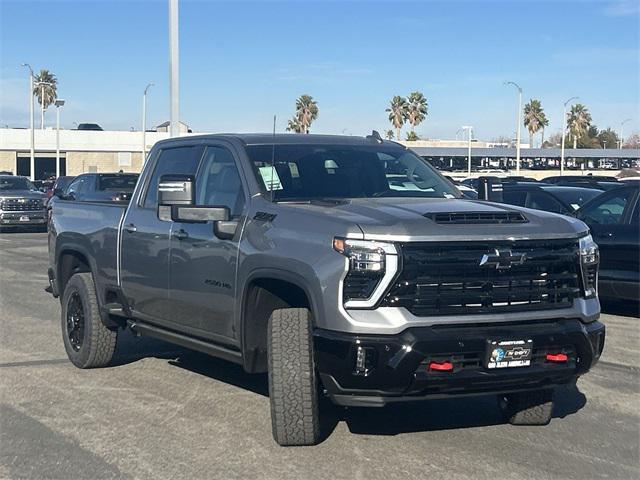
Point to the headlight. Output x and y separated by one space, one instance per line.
370 268
589 260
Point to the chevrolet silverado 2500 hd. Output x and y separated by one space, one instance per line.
344 267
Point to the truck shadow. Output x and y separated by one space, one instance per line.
432 415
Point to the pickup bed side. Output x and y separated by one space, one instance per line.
83 237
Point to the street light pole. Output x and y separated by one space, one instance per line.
518 122
469 129
564 132
32 161
173 69
144 122
59 103
42 85
621 127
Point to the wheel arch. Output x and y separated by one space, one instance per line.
266 290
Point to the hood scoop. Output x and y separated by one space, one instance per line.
476 218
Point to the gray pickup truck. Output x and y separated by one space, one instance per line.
345 267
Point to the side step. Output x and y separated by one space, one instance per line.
189 342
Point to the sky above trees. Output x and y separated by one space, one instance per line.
243 62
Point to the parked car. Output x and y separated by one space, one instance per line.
21 204
550 198
599 182
613 219
89 126
101 187
343 267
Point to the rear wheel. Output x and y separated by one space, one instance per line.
88 342
293 384
527 408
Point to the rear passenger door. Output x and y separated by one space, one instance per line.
203 266
145 238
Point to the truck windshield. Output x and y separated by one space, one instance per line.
306 172
15 183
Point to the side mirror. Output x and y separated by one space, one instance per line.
58 192
68 196
176 190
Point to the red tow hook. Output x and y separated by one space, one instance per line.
557 357
440 366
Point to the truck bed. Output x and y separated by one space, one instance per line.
91 228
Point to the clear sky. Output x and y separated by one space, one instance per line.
243 62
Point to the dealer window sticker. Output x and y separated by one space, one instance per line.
270 178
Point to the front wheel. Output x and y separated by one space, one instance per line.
293 385
88 342
527 408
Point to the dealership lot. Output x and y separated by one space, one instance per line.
164 412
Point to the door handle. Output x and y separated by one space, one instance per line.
131 228
181 234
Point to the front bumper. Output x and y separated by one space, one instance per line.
31 217
397 365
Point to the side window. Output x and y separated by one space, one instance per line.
177 160
218 183
609 210
544 201
514 197
76 186
635 216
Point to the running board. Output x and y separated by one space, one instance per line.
189 342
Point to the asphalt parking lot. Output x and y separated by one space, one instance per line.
164 412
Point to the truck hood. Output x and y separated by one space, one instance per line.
407 219
21 194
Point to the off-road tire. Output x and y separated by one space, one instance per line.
98 341
528 408
293 384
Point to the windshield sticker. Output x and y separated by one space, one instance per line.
293 168
270 178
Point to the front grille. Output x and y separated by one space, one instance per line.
21 205
447 278
476 218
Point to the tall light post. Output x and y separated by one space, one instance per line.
59 103
518 122
469 128
32 161
564 132
621 127
174 91
42 85
144 122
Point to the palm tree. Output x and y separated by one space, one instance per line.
544 123
412 136
417 109
294 125
306 111
45 89
389 134
397 113
578 121
533 118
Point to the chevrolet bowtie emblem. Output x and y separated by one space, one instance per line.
502 259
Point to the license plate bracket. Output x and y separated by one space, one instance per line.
509 353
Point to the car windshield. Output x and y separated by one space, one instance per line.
117 182
576 197
16 183
307 172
